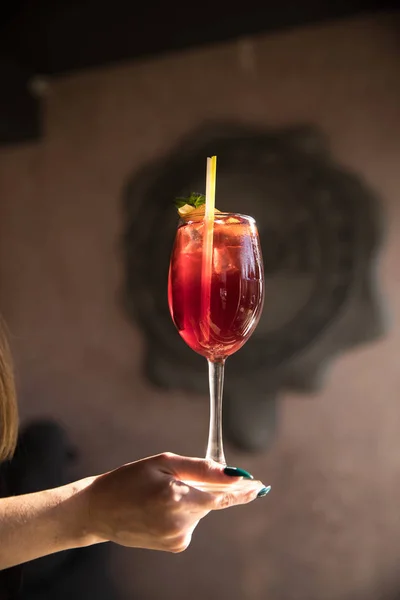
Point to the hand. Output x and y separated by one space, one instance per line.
145 504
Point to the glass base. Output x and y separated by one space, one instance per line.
243 485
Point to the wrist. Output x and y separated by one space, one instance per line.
75 514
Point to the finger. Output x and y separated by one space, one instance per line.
204 502
195 500
195 469
236 496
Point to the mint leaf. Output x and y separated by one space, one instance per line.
179 202
194 199
200 200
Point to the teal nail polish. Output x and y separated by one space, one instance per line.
236 472
264 492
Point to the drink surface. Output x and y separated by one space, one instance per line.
235 285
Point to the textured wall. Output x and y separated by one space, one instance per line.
331 527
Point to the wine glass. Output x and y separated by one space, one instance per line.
216 310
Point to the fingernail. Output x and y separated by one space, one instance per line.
264 492
236 472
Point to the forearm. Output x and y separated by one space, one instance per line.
39 524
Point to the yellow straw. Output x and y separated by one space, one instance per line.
208 245
210 187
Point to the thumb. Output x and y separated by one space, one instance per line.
196 469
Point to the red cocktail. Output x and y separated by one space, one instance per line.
217 328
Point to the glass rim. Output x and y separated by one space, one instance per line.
187 220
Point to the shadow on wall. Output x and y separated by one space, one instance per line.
321 229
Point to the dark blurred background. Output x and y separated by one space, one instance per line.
90 93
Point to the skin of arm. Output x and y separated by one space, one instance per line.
42 523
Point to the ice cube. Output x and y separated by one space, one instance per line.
192 238
222 259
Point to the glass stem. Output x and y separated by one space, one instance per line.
215 449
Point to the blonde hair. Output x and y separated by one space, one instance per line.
8 401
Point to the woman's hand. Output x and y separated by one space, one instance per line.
146 504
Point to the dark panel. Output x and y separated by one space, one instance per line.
58 36
19 109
